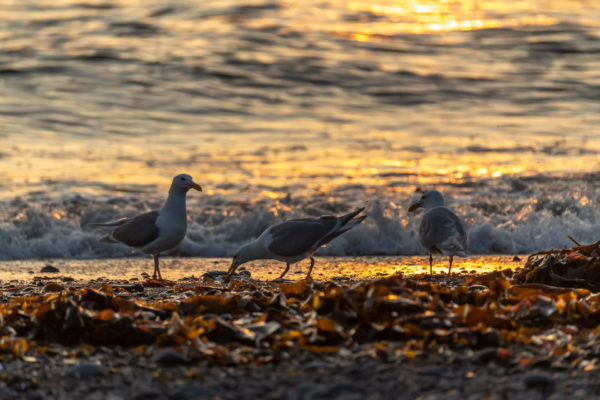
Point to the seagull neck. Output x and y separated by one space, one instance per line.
175 202
430 207
433 203
253 251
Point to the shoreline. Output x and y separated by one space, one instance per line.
326 267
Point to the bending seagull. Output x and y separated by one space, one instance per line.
156 231
441 231
294 240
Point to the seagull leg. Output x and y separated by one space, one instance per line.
430 264
450 267
287 268
156 268
312 264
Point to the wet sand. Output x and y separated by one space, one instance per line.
351 268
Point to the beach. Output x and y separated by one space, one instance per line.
281 339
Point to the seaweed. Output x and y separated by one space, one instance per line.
576 267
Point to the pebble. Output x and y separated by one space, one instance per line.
137 287
50 269
487 355
434 370
170 358
53 287
539 381
87 370
149 394
192 391
213 275
491 338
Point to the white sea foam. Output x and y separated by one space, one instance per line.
498 219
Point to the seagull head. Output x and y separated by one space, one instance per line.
430 199
244 254
184 182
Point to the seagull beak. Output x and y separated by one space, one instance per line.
196 186
232 269
415 205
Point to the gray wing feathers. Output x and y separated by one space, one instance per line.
138 231
299 236
441 229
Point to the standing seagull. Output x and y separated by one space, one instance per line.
156 231
294 240
441 231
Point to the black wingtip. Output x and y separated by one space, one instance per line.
348 217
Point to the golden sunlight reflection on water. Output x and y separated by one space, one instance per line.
231 100
150 162
432 16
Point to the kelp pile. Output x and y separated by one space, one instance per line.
577 267
246 321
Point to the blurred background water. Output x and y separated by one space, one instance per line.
295 108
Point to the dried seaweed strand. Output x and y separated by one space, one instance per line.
573 240
583 248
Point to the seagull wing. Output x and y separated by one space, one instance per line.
299 236
441 230
138 231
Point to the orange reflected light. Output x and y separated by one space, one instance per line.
269 194
359 37
432 16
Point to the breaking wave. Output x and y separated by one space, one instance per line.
504 216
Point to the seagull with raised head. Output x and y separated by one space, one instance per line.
440 232
295 240
156 231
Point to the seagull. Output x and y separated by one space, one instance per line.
294 240
441 231
156 231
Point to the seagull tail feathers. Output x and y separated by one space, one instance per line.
111 223
108 239
353 223
348 217
347 224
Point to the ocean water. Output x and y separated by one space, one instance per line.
285 109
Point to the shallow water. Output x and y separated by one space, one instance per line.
295 108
